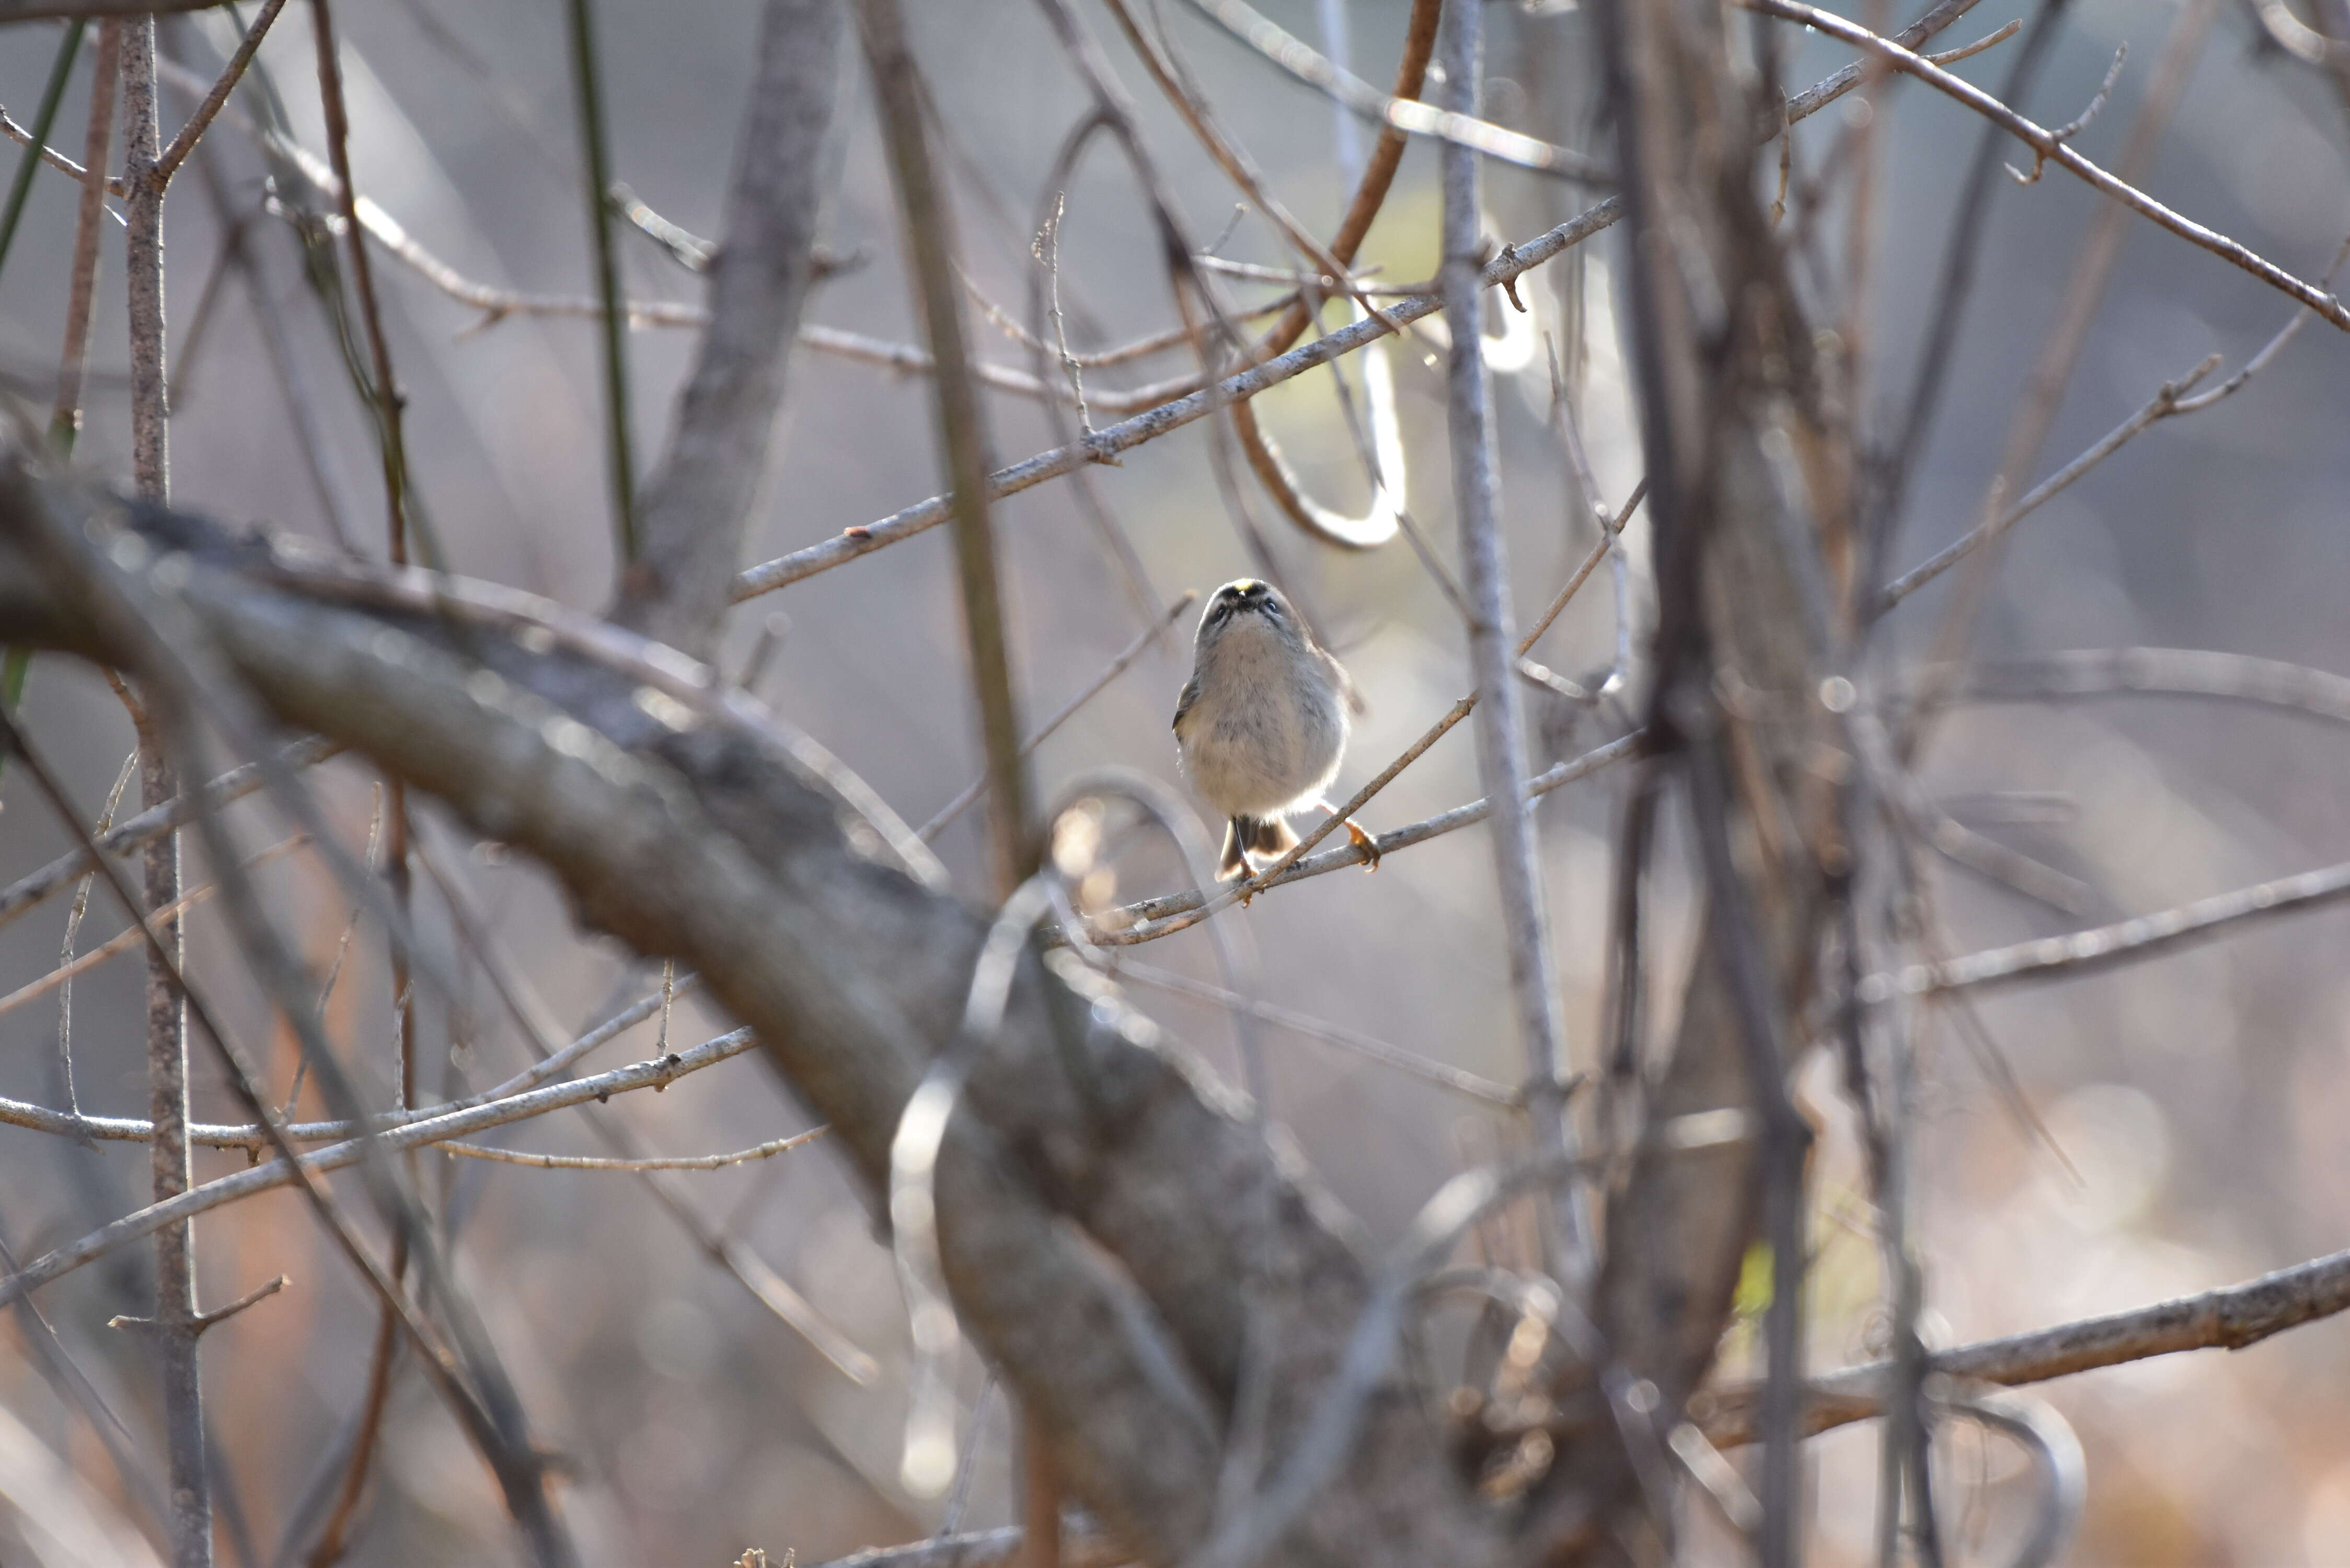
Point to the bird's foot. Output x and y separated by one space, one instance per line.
1363 841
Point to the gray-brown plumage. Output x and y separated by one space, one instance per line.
1262 724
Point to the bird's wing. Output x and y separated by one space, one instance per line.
1183 703
1344 683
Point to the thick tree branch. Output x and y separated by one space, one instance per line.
1101 1197
1742 507
698 504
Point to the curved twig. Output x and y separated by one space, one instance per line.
1383 457
2087 673
926 1465
2056 1453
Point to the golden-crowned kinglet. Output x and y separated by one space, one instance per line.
1262 721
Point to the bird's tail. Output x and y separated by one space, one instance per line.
1268 837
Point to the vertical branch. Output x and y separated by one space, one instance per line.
1747 501
930 244
18 661
387 397
175 1325
1500 712
677 586
65 424
588 82
334 1536
930 248
150 446
392 436
1785 1146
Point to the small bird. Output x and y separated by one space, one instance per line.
1261 724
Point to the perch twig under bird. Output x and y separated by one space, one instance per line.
1261 724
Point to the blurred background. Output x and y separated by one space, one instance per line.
2199 1102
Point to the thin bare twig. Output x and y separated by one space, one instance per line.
73 928
1068 710
1080 1547
1193 110
2124 941
2078 674
168 164
1454 127
56 160
2044 142
2073 128
2084 286
1442 1075
767 1151
2171 398
2007 30
1154 917
386 399
253 1138
531 1016
437 1127
165 915
152 824
2232 1317
1159 419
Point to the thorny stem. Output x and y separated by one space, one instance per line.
176 1326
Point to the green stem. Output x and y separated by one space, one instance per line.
13 669
22 186
607 275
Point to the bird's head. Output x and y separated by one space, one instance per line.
1246 602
